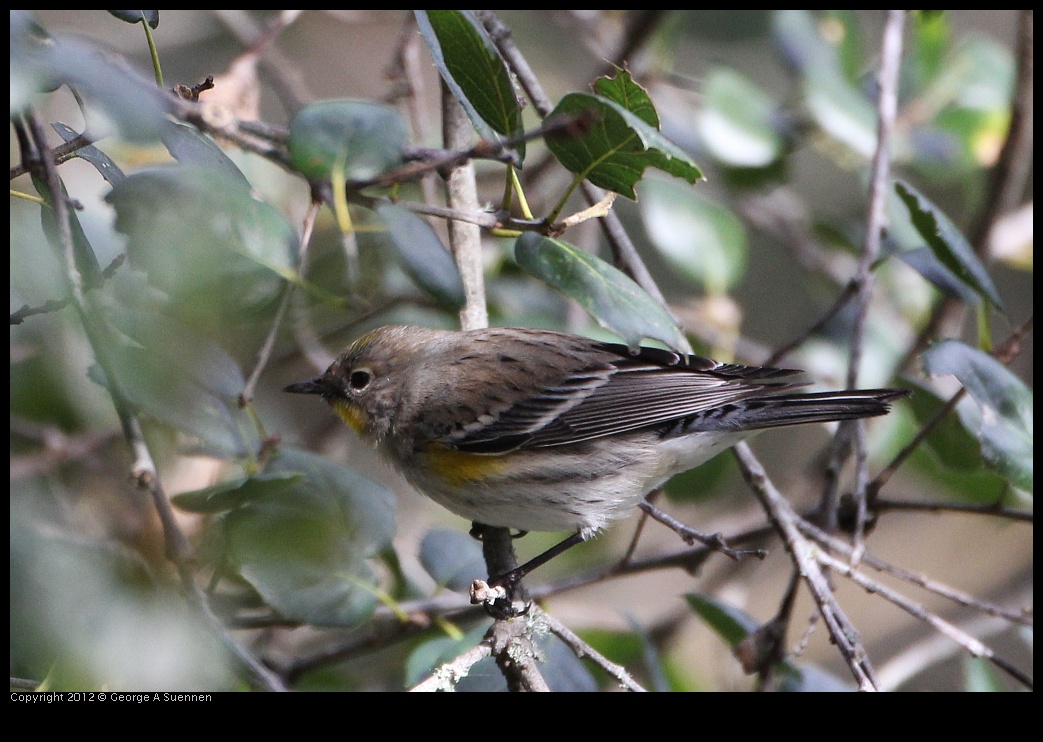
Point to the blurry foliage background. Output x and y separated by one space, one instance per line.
775 108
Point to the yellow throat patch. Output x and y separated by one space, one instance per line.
349 414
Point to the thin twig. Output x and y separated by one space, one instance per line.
931 650
803 553
887 108
960 598
264 354
690 535
970 643
61 153
446 676
997 509
581 649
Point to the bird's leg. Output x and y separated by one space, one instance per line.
509 580
498 592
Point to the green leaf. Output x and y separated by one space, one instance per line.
729 622
948 243
980 677
192 355
982 75
823 48
163 392
30 49
189 146
427 261
842 111
615 149
930 44
364 139
926 263
622 89
235 492
1002 419
737 121
701 240
151 17
803 44
471 66
204 239
452 558
950 442
609 295
83 252
305 548
113 92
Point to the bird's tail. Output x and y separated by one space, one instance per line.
779 410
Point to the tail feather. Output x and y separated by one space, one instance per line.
795 409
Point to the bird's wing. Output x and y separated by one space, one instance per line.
621 392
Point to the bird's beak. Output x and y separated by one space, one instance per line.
318 385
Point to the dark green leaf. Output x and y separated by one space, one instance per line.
616 147
305 548
729 622
235 492
1002 419
472 67
427 261
948 243
189 147
737 121
452 558
563 670
950 442
701 240
651 657
161 391
151 17
83 252
361 138
622 89
609 295
926 263
196 357
101 161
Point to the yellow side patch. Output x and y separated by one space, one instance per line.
349 414
458 468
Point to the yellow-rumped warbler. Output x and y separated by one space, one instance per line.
545 431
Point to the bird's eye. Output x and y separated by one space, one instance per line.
360 379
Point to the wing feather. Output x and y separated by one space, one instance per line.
620 392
